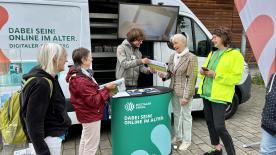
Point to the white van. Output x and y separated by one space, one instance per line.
199 44
91 24
104 23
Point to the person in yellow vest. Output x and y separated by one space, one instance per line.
219 74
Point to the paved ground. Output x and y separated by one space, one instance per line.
244 127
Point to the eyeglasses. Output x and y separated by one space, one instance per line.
140 41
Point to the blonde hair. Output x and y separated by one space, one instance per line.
48 57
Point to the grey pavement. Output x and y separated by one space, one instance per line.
244 127
254 69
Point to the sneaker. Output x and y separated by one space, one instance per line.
214 152
184 146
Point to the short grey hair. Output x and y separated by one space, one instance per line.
48 57
181 37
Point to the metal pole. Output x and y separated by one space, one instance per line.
243 42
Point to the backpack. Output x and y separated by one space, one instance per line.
11 124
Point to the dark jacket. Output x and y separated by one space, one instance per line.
269 111
87 99
45 116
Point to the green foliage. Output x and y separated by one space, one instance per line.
257 79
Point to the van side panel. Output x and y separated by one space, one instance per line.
32 23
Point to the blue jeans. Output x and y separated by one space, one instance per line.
268 144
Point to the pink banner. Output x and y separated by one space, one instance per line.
4 61
259 22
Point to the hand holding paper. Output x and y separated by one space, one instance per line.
115 86
111 85
162 75
145 61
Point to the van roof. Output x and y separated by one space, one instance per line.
41 1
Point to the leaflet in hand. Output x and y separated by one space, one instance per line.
120 84
121 94
158 66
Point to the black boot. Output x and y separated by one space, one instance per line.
214 152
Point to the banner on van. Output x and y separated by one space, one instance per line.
24 27
259 22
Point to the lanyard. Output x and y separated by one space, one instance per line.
216 59
210 66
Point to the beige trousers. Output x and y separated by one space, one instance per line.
90 138
185 133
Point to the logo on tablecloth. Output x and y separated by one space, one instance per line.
129 106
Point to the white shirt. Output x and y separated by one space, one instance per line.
177 56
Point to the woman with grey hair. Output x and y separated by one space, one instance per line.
87 99
44 109
182 70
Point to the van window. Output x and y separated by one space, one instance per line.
185 26
201 40
198 42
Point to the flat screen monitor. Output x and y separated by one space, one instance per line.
157 21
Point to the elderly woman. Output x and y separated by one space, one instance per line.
220 73
129 58
87 99
46 117
182 70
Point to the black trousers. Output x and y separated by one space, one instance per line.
215 119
